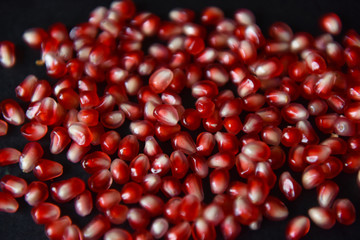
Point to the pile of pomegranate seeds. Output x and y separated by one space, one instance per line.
258 113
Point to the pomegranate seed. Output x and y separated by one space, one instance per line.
72 232
9 156
315 154
312 176
244 211
46 170
289 187
37 192
59 140
66 190
138 218
332 167
256 151
322 217
107 199
56 229
95 161
12 112
193 185
100 180
327 193
4 128
7 54
257 190
76 152
219 181
8 203
128 147
244 165
203 230
221 160
331 23
45 213
274 209
297 228
16 186
179 231
139 167
344 211
83 203
96 228
230 228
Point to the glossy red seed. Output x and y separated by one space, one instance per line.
180 231
12 112
100 180
291 136
139 167
330 23
45 213
344 211
59 140
332 167
55 229
128 147
244 211
257 190
289 186
230 228
96 228
9 156
312 176
72 232
219 181
274 209
66 190
4 127
95 161
315 154
37 192
322 217
14 185
297 228
76 152
83 203
256 151
47 170
327 192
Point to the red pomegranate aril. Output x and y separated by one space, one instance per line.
264 171
159 228
277 157
9 156
117 214
100 180
4 127
256 151
203 230
142 129
221 160
66 190
68 98
80 134
297 228
317 107
244 165
88 116
308 133
183 141
219 180
55 229
47 170
331 23
7 54
14 185
230 228
205 144
207 56
32 152
337 102
138 218
213 214
112 120
252 124
33 131
233 124
327 193
271 135
37 192
25 89
244 211
179 231
12 112
107 199
76 152
344 127
59 140
322 217
336 144
344 211
315 154
131 193
96 228
45 213
312 176
139 167
83 203
34 37
128 147
332 167
257 190
352 144
274 209
72 232
110 142
227 142
166 114
351 162
289 187
95 161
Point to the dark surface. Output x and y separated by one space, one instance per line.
17 16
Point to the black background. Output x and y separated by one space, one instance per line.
17 16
